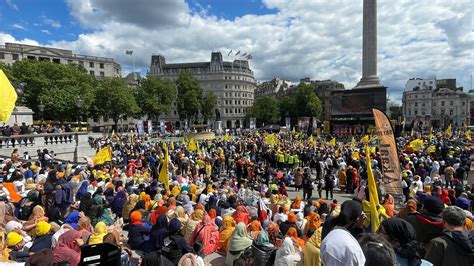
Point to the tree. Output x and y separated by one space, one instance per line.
7 70
155 96
189 96
395 112
115 99
208 103
287 107
307 103
57 86
266 110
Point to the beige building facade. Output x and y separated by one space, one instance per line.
233 83
100 67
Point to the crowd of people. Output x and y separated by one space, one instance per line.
228 199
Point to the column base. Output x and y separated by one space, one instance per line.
369 82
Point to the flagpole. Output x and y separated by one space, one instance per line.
134 72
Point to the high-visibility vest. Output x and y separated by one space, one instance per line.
281 158
296 158
290 159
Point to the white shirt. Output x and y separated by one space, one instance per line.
340 248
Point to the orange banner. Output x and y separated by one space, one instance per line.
388 152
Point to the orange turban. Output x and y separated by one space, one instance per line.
135 216
292 218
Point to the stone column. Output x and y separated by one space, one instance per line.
369 46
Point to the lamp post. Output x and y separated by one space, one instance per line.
41 109
78 105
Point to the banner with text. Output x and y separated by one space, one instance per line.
388 152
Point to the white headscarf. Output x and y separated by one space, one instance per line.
286 255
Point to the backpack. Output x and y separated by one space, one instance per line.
170 249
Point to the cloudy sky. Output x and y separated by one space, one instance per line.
290 39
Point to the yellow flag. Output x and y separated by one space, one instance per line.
355 154
163 177
468 134
270 139
7 97
311 139
332 142
318 132
365 139
431 149
192 145
412 132
449 131
227 137
417 144
104 155
172 145
375 207
183 141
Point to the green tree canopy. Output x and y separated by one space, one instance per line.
307 103
155 96
57 86
208 104
115 99
189 96
266 110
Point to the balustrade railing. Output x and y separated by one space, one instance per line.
39 139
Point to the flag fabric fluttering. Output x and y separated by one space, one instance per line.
431 149
468 134
163 177
353 143
129 52
230 52
417 144
270 139
238 52
377 212
7 99
332 142
449 131
192 145
104 155
227 137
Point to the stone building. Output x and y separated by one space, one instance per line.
438 103
233 83
99 67
272 87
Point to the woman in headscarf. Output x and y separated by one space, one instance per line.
213 214
97 237
195 219
297 205
238 243
312 253
314 222
181 215
228 227
294 235
109 195
241 214
67 249
286 255
72 219
301 223
159 232
104 213
273 231
117 203
206 233
254 229
176 247
291 222
262 249
128 207
38 214
389 205
402 236
410 208
86 204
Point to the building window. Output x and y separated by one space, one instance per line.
101 65
91 64
434 103
442 111
442 103
416 96
30 57
463 103
102 74
15 56
174 112
463 113
2 55
225 86
409 112
92 73
416 112
451 103
423 104
416 104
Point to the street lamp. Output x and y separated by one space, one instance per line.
78 105
41 109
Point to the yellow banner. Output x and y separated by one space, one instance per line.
104 155
163 177
192 145
388 152
7 99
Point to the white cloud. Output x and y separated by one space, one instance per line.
5 37
18 26
11 4
303 38
46 32
51 22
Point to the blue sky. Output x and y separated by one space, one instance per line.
287 39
